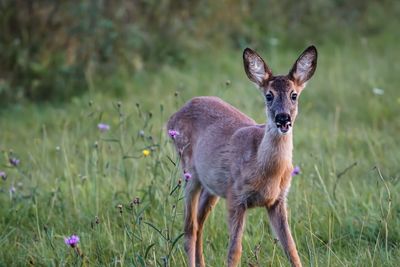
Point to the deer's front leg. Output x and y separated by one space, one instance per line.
279 222
236 227
192 193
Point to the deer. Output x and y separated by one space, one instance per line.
228 155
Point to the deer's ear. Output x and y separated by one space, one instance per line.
304 67
255 67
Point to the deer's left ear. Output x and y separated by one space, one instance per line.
304 67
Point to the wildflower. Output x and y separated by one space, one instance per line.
72 241
296 171
187 175
14 161
173 133
378 91
141 133
103 127
12 189
146 152
3 175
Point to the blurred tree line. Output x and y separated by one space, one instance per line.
48 47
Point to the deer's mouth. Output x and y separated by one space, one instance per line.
284 127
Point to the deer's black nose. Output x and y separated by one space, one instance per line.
282 119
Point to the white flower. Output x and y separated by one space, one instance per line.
378 91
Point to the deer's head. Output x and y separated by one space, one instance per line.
281 92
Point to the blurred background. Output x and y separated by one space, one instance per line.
53 50
86 88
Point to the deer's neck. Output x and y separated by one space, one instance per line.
274 154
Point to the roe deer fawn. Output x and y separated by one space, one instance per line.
228 155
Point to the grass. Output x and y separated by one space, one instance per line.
74 179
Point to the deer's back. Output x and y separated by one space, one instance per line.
202 114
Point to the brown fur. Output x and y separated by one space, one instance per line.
230 156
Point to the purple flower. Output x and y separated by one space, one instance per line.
103 127
12 189
14 161
173 133
3 175
72 241
187 175
296 171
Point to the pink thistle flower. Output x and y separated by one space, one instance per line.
3 175
14 161
12 189
296 171
173 133
103 127
71 241
187 176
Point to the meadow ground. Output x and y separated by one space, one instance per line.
73 178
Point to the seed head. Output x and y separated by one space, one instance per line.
136 201
119 206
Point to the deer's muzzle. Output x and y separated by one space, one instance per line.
283 122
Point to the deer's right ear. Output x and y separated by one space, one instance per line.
255 67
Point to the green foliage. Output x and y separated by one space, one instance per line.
51 50
74 179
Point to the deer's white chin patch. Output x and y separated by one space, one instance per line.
284 130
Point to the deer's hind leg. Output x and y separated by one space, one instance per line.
192 194
206 203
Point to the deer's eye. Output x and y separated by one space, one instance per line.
269 97
294 96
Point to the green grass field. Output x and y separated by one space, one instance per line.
74 179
